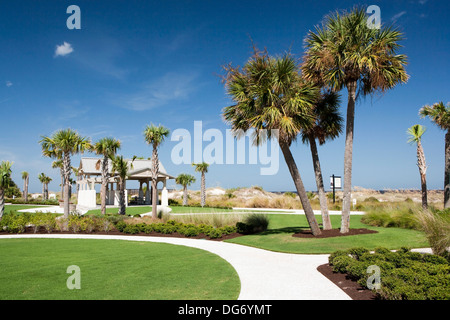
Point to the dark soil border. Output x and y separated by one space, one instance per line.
333 233
350 287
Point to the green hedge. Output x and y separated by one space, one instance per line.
405 275
171 226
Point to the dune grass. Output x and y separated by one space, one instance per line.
112 269
278 236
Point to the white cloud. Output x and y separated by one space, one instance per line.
63 49
398 15
9 83
169 88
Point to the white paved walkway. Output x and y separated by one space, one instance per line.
264 275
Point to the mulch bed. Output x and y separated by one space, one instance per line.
350 287
30 230
332 233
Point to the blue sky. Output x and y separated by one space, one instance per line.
133 63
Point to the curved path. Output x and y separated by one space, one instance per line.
264 275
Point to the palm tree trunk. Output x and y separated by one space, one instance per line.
447 171
326 222
104 184
122 209
2 202
155 170
62 182
348 156
309 213
203 190
422 170
25 189
66 167
185 199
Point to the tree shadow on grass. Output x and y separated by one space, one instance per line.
289 230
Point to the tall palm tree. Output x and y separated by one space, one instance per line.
41 178
66 142
269 94
440 115
121 167
346 53
155 136
415 136
59 164
46 180
327 126
5 181
26 181
202 168
185 180
106 147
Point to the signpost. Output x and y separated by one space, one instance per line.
335 183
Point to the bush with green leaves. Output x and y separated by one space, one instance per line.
405 275
253 223
172 226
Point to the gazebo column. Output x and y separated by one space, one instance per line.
141 192
147 193
164 195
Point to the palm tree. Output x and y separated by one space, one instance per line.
269 94
5 181
121 167
26 180
155 136
66 142
185 180
327 126
41 178
106 147
345 52
46 181
415 135
440 115
202 168
59 164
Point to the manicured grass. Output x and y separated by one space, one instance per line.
112 269
15 207
278 236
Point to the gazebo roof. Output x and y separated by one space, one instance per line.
140 169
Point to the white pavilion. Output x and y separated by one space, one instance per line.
89 174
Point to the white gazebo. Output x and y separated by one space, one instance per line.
89 174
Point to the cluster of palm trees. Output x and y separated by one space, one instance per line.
5 181
65 143
439 113
186 180
281 98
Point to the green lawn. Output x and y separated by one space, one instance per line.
112 269
15 207
278 236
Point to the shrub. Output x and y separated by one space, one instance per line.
257 222
215 233
290 194
436 226
405 275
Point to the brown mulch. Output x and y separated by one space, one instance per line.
332 233
350 287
